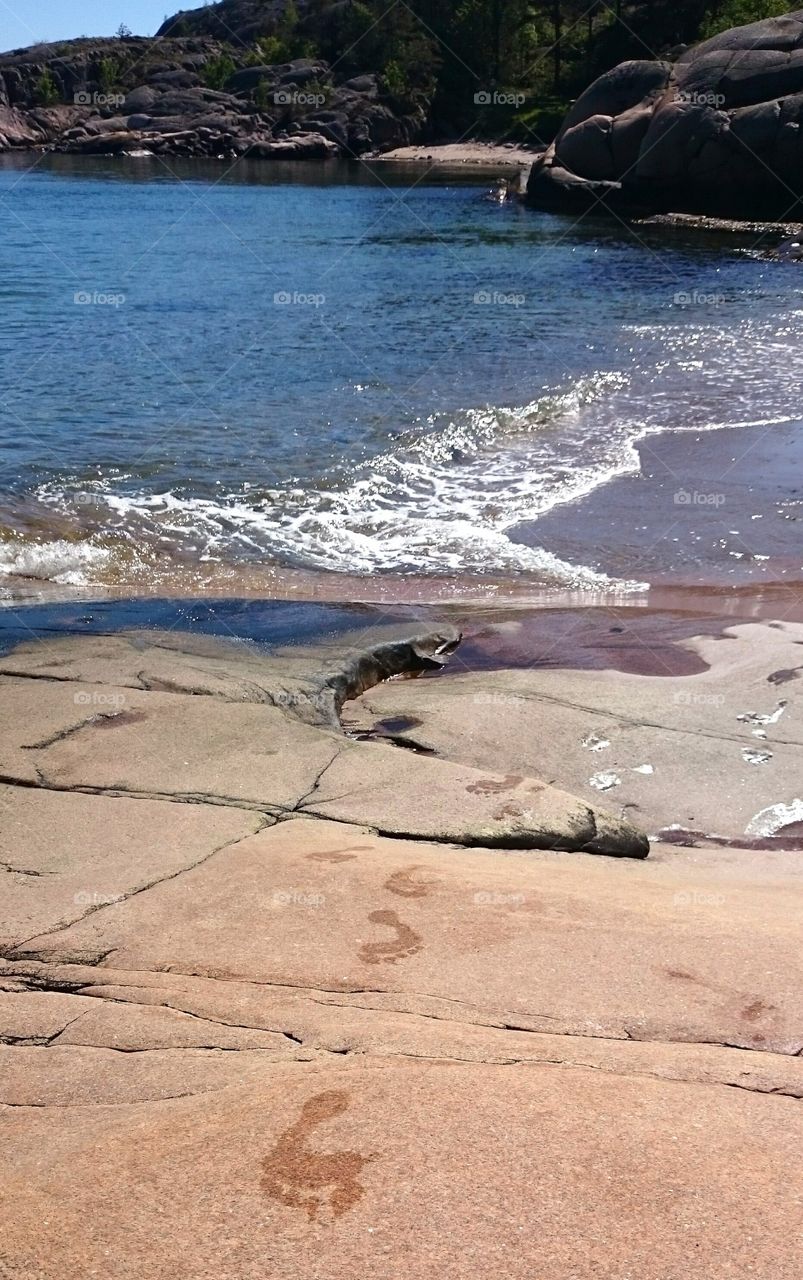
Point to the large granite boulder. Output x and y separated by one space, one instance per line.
718 131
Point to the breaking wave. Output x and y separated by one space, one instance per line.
444 500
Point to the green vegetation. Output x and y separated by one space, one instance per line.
262 96
108 75
267 52
317 89
514 65
47 91
494 66
394 80
737 13
218 71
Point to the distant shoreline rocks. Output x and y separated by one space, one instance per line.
186 97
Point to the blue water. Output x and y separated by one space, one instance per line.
318 367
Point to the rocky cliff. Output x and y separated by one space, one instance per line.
192 96
237 20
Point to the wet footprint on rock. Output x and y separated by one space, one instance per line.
404 886
493 786
406 942
298 1176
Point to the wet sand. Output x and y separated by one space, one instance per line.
718 508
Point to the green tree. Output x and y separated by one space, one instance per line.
738 13
108 75
46 89
218 71
287 27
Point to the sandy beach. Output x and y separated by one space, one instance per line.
484 155
718 508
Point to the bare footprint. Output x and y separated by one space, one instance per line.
406 943
302 1178
757 1009
508 810
339 855
745 1005
403 884
492 786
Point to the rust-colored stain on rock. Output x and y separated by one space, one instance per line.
406 942
302 1178
508 810
492 786
756 1009
682 974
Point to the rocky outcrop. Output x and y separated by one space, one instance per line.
706 748
287 754
719 131
238 20
107 97
281 1035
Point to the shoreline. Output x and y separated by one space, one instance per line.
471 154
704 222
595 701
662 618
747 599
749 554
712 506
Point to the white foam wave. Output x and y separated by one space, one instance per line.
442 501
68 563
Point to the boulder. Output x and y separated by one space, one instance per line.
363 84
16 130
246 80
101 143
718 131
176 80
331 126
552 185
586 148
302 71
302 146
141 99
